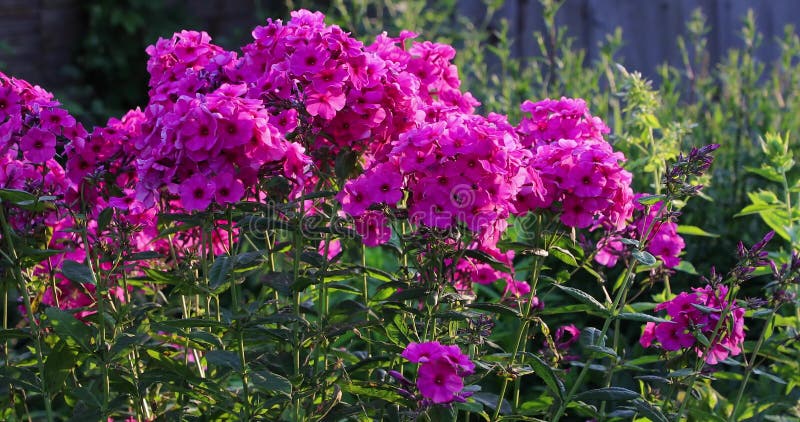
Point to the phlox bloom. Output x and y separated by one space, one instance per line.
196 192
38 145
438 381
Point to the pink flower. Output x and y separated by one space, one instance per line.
441 371
373 226
422 352
308 59
325 104
196 192
229 189
38 145
648 335
438 381
334 248
675 334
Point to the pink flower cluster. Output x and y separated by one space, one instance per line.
581 173
663 240
441 372
207 148
461 170
33 129
345 94
696 313
187 63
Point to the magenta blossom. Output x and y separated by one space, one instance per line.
442 369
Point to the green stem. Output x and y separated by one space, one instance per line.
365 296
32 320
521 332
751 366
245 378
619 302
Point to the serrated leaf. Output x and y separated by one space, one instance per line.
77 272
646 258
495 307
694 231
584 297
608 393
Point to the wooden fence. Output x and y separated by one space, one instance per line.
37 36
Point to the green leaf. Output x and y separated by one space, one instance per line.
649 411
563 255
218 274
756 209
413 293
25 200
77 272
68 327
651 199
496 308
546 373
766 172
608 393
694 231
224 358
58 365
584 297
373 389
602 350
591 336
646 258
141 256
489 400
272 383
104 219
650 120
771 377
636 316
702 338
16 196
